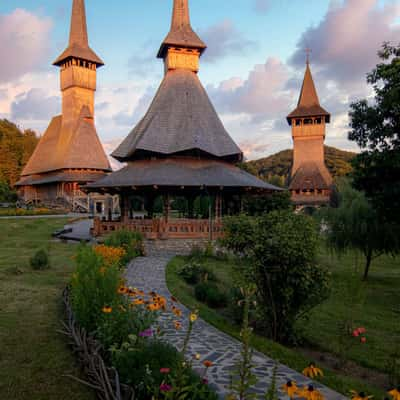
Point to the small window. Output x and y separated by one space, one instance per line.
308 121
318 121
298 122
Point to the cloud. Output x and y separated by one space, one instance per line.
261 6
345 43
126 118
35 104
261 95
224 39
24 43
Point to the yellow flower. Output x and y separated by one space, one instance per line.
290 388
193 317
312 371
197 356
107 309
122 290
309 393
395 393
111 255
359 395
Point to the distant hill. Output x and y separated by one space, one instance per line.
276 168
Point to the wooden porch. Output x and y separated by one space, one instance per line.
161 228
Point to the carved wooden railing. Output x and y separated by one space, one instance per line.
159 228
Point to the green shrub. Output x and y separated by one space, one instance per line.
281 252
208 292
114 328
139 361
94 286
131 242
40 260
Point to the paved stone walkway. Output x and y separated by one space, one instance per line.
148 274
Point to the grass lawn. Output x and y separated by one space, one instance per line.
377 313
33 356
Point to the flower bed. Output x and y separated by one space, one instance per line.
116 334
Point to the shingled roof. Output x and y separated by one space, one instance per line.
311 176
308 104
181 118
78 39
181 33
68 147
178 172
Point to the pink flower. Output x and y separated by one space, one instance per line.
165 370
362 330
363 339
356 333
146 333
205 381
164 387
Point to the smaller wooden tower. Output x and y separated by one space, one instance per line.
310 181
70 153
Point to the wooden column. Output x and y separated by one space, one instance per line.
167 207
218 206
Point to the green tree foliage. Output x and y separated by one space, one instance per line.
276 168
258 205
7 195
281 246
355 225
16 147
376 129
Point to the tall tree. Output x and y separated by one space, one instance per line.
354 225
16 147
375 126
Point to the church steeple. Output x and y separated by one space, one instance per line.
308 104
78 46
182 47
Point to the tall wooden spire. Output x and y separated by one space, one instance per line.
181 34
308 104
78 46
78 32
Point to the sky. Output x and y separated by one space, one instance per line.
252 69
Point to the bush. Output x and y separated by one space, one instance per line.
114 328
282 250
40 260
208 292
194 272
94 286
131 242
138 363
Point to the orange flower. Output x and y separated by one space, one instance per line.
107 309
177 311
138 302
178 325
110 255
122 290
153 307
174 299
208 363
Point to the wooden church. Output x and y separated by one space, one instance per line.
179 149
69 153
310 181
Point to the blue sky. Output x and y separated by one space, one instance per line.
252 69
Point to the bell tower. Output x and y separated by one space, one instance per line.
182 47
78 64
310 180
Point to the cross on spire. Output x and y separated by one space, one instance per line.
308 53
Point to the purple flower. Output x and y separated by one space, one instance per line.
146 333
164 387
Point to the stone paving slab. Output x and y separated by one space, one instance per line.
148 274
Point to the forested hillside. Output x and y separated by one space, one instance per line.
16 146
276 168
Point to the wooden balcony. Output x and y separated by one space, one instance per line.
160 228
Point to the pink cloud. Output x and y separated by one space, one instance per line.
24 43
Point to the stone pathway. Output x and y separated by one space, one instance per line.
148 274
